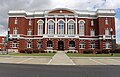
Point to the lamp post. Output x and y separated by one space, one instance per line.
112 40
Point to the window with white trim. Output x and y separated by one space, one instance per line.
29 44
15 31
14 44
107 45
106 21
50 27
60 27
40 27
92 23
92 45
3 40
29 32
107 32
81 28
49 44
16 21
92 32
82 45
39 44
71 27
71 44
30 22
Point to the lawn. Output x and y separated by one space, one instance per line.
33 54
91 55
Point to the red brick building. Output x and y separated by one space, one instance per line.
61 29
2 42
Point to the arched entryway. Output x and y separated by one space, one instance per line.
60 45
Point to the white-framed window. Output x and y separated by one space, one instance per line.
107 45
106 21
29 44
39 44
71 27
3 40
50 27
29 32
71 44
81 28
107 32
16 21
15 31
92 45
40 28
30 22
82 45
60 27
49 44
92 23
14 44
92 32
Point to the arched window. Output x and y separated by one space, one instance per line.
39 44
14 44
50 27
29 44
60 27
49 44
81 28
82 45
71 27
107 45
92 45
71 44
40 27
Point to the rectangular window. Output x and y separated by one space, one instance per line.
92 33
92 23
107 32
106 21
92 45
3 40
29 32
71 29
40 29
51 29
107 45
14 44
39 45
30 22
29 45
82 45
81 28
16 21
15 31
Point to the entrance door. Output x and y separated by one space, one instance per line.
60 45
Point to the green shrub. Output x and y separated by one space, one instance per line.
22 51
29 51
88 51
106 51
36 51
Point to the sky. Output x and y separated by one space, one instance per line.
33 5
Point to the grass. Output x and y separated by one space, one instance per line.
91 55
33 54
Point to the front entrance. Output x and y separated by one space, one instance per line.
60 45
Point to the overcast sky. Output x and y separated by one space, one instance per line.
32 5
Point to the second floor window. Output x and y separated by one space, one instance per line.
92 33
15 31
81 28
16 21
40 27
29 32
107 32
50 27
3 40
30 22
70 27
61 27
92 23
106 21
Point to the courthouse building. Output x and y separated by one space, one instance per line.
61 29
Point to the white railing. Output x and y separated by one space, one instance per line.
14 36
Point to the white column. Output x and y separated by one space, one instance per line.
55 25
76 24
46 25
65 25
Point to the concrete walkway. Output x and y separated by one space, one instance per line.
60 58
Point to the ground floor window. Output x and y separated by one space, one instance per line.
71 44
107 45
49 44
29 45
92 45
39 45
82 45
14 44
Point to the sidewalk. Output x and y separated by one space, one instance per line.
60 58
